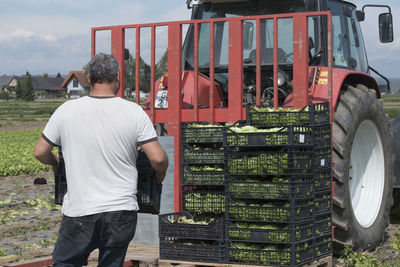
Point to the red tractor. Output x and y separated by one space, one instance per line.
280 53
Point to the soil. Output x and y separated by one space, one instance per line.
28 230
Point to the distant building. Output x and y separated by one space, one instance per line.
45 87
4 81
76 84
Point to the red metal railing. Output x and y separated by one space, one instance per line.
234 110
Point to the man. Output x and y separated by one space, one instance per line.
99 135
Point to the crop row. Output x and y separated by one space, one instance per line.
16 153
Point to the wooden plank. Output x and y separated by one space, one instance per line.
324 262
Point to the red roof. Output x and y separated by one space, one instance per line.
76 74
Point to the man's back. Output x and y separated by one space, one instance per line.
99 139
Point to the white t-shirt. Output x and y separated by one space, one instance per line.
99 138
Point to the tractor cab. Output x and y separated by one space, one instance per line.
348 45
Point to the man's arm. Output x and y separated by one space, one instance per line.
158 158
42 152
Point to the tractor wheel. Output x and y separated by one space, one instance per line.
395 129
362 170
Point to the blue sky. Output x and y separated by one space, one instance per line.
54 35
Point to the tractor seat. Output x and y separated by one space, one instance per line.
267 56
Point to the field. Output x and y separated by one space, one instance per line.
29 220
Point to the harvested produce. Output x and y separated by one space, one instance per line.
203 175
205 202
16 153
203 133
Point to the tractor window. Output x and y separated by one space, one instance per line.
340 42
354 45
362 56
243 8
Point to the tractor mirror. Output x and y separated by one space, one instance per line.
386 27
360 15
248 32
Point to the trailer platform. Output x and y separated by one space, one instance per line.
148 256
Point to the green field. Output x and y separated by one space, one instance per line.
13 112
392 105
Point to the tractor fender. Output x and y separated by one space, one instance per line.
395 129
341 78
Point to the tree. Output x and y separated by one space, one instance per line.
45 75
162 65
58 75
85 70
28 92
145 72
19 88
130 74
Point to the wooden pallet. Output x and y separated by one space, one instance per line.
324 262
148 256
137 255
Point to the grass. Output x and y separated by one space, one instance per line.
391 98
392 110
356 259
21 111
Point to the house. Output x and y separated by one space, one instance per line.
76 84
45 87
4 81
48 87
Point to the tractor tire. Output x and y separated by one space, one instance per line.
395 129
362 170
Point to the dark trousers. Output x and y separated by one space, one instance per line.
110 232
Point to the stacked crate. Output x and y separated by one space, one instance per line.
260 197
323 189
199 235
271 188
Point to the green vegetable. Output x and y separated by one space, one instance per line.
203 175
203 133
205 202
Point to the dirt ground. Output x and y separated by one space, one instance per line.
29 219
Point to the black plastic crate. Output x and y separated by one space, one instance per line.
282 162
197 201
60 180
323 180
322 135
269 233
295 186
177 225
202 155
202 175
293 135
202 133
323 246
271 211
323 202
192 250
322 224
313 114
269 254
322 157
149 191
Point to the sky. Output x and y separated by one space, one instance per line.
51 36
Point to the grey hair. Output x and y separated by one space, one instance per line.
103 68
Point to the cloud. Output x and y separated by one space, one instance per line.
28 35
